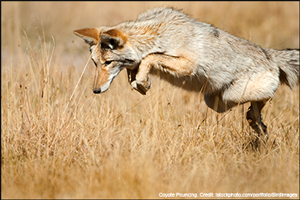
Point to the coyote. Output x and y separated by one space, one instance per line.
198 56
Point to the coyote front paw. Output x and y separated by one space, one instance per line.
141 86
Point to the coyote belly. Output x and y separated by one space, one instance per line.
229 70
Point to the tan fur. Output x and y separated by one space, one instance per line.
89 33
117 34
229 70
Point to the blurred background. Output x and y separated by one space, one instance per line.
269 24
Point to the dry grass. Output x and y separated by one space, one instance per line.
121 144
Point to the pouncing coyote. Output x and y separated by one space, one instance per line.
227 69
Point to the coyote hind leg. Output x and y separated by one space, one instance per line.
254 119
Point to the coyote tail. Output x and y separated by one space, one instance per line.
288 63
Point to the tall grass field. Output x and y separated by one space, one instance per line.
60 140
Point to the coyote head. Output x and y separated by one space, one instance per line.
111 52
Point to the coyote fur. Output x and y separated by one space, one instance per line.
200 57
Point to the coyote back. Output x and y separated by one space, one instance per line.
227 69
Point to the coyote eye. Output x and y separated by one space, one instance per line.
107 63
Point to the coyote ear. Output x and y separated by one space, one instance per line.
90 35
113 39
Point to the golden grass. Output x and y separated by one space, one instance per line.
121 144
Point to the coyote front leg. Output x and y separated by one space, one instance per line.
178 66
139 86
131 73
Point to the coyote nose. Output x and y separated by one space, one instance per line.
97 90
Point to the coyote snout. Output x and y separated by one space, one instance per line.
229 70
104 75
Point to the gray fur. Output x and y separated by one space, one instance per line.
228 69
